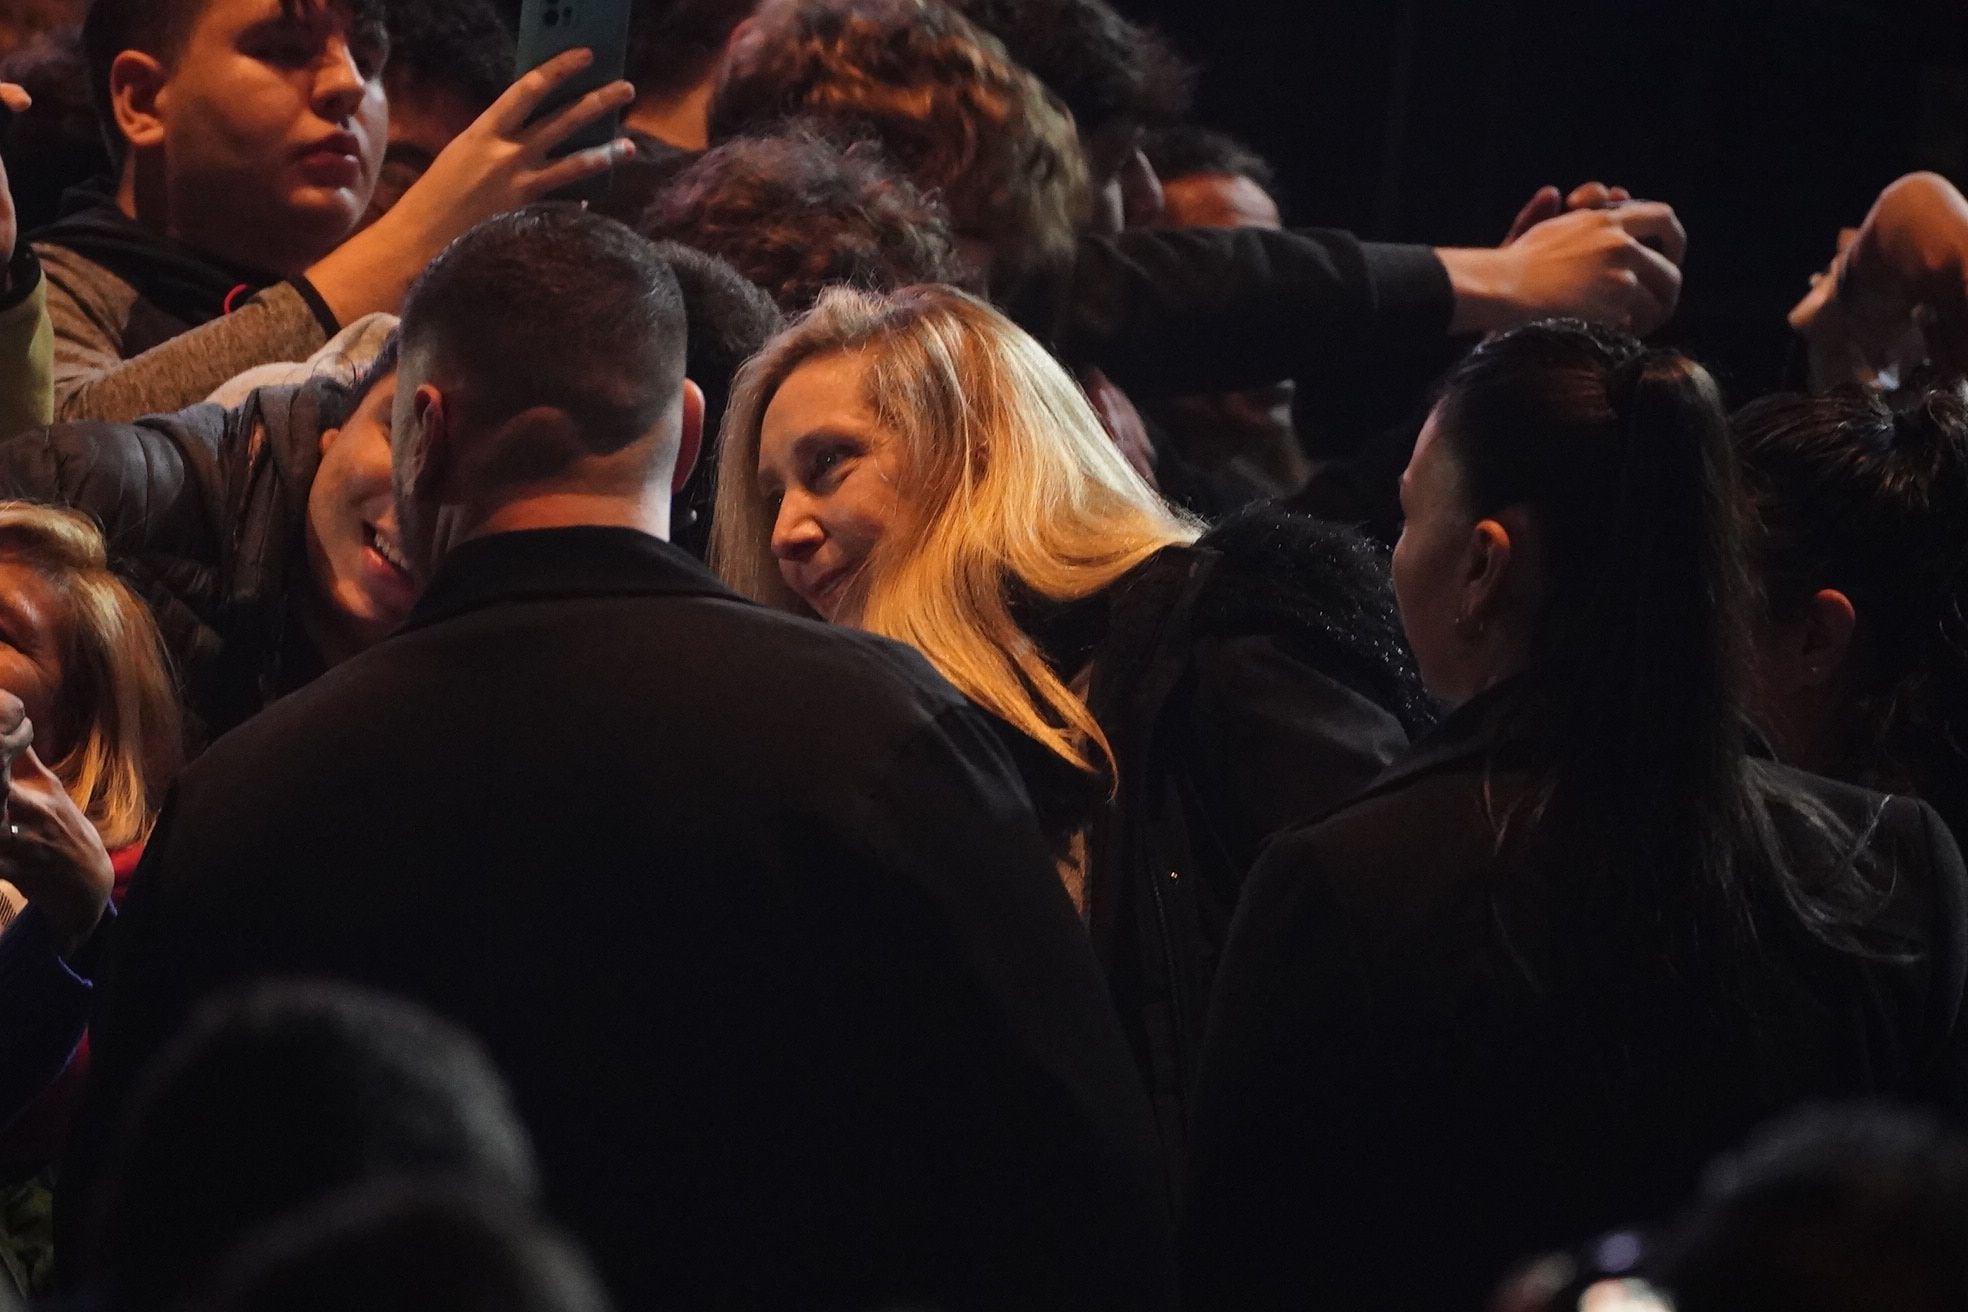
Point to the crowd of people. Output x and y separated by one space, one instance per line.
919 703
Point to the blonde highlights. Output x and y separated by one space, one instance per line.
117 693
1012 487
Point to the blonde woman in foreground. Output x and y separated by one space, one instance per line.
916 466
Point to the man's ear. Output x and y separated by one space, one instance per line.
1825 637
430 454
136 85
1487 563
691 444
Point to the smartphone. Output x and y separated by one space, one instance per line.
548 27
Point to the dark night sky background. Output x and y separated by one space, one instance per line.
1768 124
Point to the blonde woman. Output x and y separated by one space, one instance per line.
82 655
917 466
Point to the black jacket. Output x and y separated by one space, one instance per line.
1419 1070
752 913
1245 684
204 511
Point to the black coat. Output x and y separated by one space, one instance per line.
204 511
1416 1076
1247 683
752 913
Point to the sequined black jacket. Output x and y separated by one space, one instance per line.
1247 683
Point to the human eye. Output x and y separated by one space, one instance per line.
825 465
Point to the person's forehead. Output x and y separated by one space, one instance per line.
235 15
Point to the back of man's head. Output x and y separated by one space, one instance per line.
1106 68
549 309
275 1098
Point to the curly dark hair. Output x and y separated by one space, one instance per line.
462 45
949 108
1103 66
796 213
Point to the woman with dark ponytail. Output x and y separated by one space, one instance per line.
1860 515
1579 939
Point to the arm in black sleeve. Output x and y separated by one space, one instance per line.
1201 310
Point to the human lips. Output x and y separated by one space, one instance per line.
333 157
821 590
387 564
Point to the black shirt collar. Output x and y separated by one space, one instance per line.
583 561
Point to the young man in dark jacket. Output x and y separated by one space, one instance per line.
752 912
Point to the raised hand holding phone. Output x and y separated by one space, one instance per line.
551 28
508 158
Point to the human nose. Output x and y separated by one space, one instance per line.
796 533
1141 191
339 84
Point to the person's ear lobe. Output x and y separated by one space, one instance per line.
328 436
136 85
1829 623
691 444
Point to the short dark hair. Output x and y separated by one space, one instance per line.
730 320
553 306
463 46
1103 66
673 43
1186 151
340 400
159 28
276 1097
408 1246
796 213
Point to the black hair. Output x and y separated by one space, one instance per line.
57 143
1868 494
1622 458
463 46
1187 150
1836 1209
730 321
275 1097
1105 68
340 400
796 213
408 1246
553 306
673 43
159 28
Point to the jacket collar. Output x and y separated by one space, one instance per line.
1494 723
537 564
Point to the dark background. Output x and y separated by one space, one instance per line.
1768 124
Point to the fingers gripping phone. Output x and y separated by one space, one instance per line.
550 27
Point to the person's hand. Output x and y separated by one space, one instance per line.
1595 264
1546 203
14 97
499 163
52 853
1897 293
16 732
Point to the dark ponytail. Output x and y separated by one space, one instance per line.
1622 458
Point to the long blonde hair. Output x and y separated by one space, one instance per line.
1009 480
117 689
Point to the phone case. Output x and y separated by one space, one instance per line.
548 27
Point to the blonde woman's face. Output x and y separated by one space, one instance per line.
828 472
